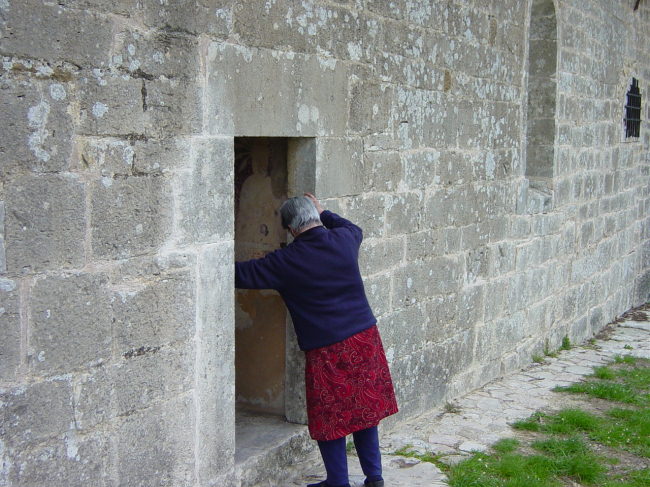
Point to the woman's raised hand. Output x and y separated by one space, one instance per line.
317 204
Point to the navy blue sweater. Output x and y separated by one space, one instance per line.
318 277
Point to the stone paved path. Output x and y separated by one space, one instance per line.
484 415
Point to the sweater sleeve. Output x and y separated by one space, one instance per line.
332 220
264 273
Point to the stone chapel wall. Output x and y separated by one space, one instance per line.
117 204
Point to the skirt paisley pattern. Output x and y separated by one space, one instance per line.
348 385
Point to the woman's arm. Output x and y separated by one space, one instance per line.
264 273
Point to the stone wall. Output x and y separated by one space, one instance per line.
116 213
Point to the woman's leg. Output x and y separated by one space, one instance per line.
336 462
367 444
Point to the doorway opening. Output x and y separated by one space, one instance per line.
260 315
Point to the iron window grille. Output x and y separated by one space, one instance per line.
633 110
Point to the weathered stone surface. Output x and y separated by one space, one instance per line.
44 226
9 329
152 54
150 374
205 190
3 257
36 412
130 216
380 255
153 314
38 128
112 105
55 33
70 459
215 378
370 106
338 166
172 106
71 323
404 213
166 452
382 170
367 212
211 17
308 105
417 281
116 156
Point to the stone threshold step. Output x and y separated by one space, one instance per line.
268 448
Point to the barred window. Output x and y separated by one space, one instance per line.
633 110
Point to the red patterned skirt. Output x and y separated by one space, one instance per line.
349 387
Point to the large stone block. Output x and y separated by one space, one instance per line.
387 8
133 156
212 17
112 105
37 130
285 94
44 227
152 54
494 338
215 375
71 323
166 452
205 192
9 329
370 106
419 281
173 107
377 255
339 166
154 313
281 28
35 412
382 171
150 374
432 243
110 156
368 212
421 169
70 459
130 216
404 213
33 29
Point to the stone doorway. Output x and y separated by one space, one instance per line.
269 383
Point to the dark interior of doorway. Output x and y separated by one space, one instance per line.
260 315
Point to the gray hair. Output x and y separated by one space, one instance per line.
298 212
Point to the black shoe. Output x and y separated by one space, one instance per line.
376 483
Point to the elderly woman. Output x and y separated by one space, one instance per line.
348 384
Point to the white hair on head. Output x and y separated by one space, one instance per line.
298 212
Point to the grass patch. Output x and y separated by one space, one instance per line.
605 373
624 359
559 458
538 359
610 391
563 449
566 343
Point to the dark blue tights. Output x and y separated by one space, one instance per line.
336 463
